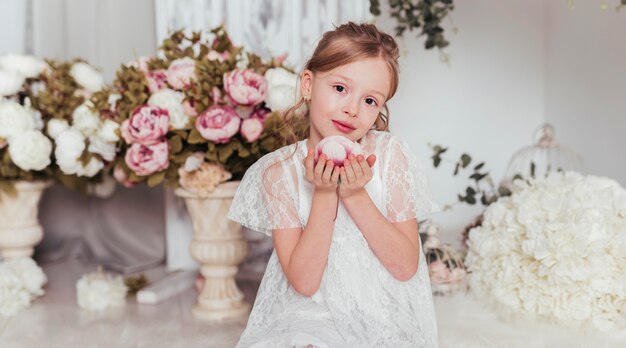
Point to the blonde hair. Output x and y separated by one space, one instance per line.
345 44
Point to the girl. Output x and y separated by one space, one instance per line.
358 278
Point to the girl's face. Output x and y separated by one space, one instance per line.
346 100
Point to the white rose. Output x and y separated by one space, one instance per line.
31 275
172 101
101 147
13 296
57 126
85 120
98 291
30 150
87 77
28 66
15 119
10 82
280 98
70 145
108 131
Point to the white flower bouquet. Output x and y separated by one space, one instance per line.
21 281
555 250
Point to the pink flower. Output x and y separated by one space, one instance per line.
214 55
140 64
120 176
337 148
157 80
251 129
245 87
261 113
280 59
218 124
181 72
147 125
439 273
189 108
147 159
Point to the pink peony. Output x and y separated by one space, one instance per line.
157 80
251 129
261 113
181 72
218 124
120 176
147 159
189 107
337 148
245 87
147 125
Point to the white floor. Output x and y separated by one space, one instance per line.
55 320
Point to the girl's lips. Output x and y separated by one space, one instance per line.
343 127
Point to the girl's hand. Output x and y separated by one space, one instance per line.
324 175
355 174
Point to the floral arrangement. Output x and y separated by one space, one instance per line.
445 266
98 291
198 114
47 130
555 250
21 281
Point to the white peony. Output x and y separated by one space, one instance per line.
15 119
13 296
85 120
282 91
27 66
87 77
31 275
30 150
102 147
56 126
98 291
70 145
10 82
172 101
556 250
108 131
21 281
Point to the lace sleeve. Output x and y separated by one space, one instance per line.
265 198
406 189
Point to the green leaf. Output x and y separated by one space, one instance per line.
195 137
456 169
465 160
479 166
532 169
176 144
156 178
436 160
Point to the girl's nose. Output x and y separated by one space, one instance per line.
350 109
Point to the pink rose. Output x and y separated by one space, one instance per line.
337 148
439 273
147 159
157 80
189 108
245 87
218 124
181 72
251 129
147 125
261 113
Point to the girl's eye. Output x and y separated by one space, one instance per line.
370 101
339 88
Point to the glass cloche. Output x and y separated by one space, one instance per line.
543 157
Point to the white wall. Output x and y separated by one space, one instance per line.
105 33
487 102
586 83
13 26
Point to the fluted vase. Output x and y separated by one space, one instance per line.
219 247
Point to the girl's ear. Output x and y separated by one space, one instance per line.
306 84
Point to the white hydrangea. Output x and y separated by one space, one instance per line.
56 126
25 65
98 291
15 119
108 130
31 275
101 147
87 77
172 101
556 250
70 145
85 120
30 150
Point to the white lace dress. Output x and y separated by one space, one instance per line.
359 303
